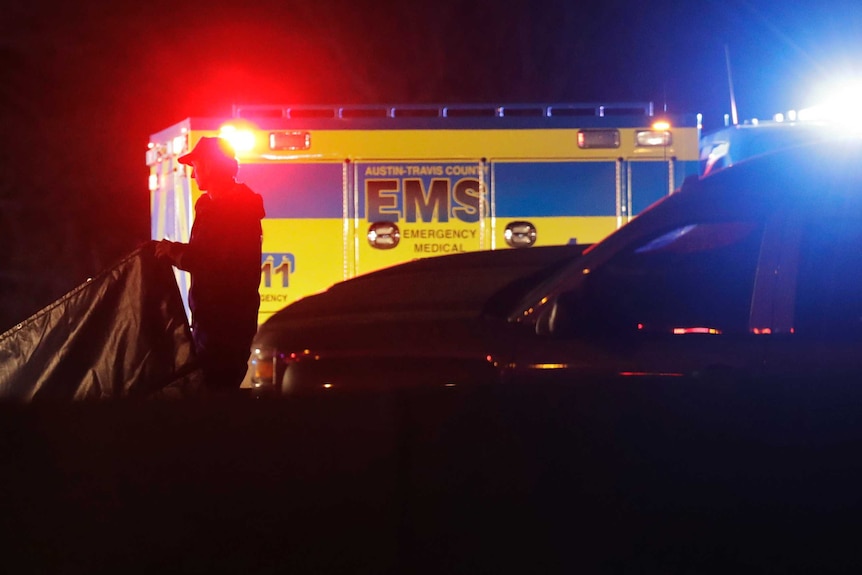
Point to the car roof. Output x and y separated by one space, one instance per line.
813 178
732 144
806 175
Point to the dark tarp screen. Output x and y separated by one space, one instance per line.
123 333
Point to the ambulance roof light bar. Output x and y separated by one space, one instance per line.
443 110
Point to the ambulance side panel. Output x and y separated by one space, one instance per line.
304 240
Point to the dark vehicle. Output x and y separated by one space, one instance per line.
460 286
754 271
731 144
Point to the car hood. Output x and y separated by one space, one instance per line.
437 290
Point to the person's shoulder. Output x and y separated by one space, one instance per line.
249 199
203 202
242 189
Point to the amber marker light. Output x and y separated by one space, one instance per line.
658 135
549 365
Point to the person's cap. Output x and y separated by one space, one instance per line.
217 149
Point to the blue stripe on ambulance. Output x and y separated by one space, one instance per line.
302 190
545 189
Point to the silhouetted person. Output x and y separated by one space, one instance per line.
223 257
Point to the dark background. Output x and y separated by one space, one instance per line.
665 478
602 477
83 85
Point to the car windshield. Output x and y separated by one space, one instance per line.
698 276
695 277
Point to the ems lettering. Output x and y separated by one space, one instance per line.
468 201
275 265
426 204
390 200
381 200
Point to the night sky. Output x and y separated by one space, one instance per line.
83 85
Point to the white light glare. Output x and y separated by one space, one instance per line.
177 145
241 140
841 105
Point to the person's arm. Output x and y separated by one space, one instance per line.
172 251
